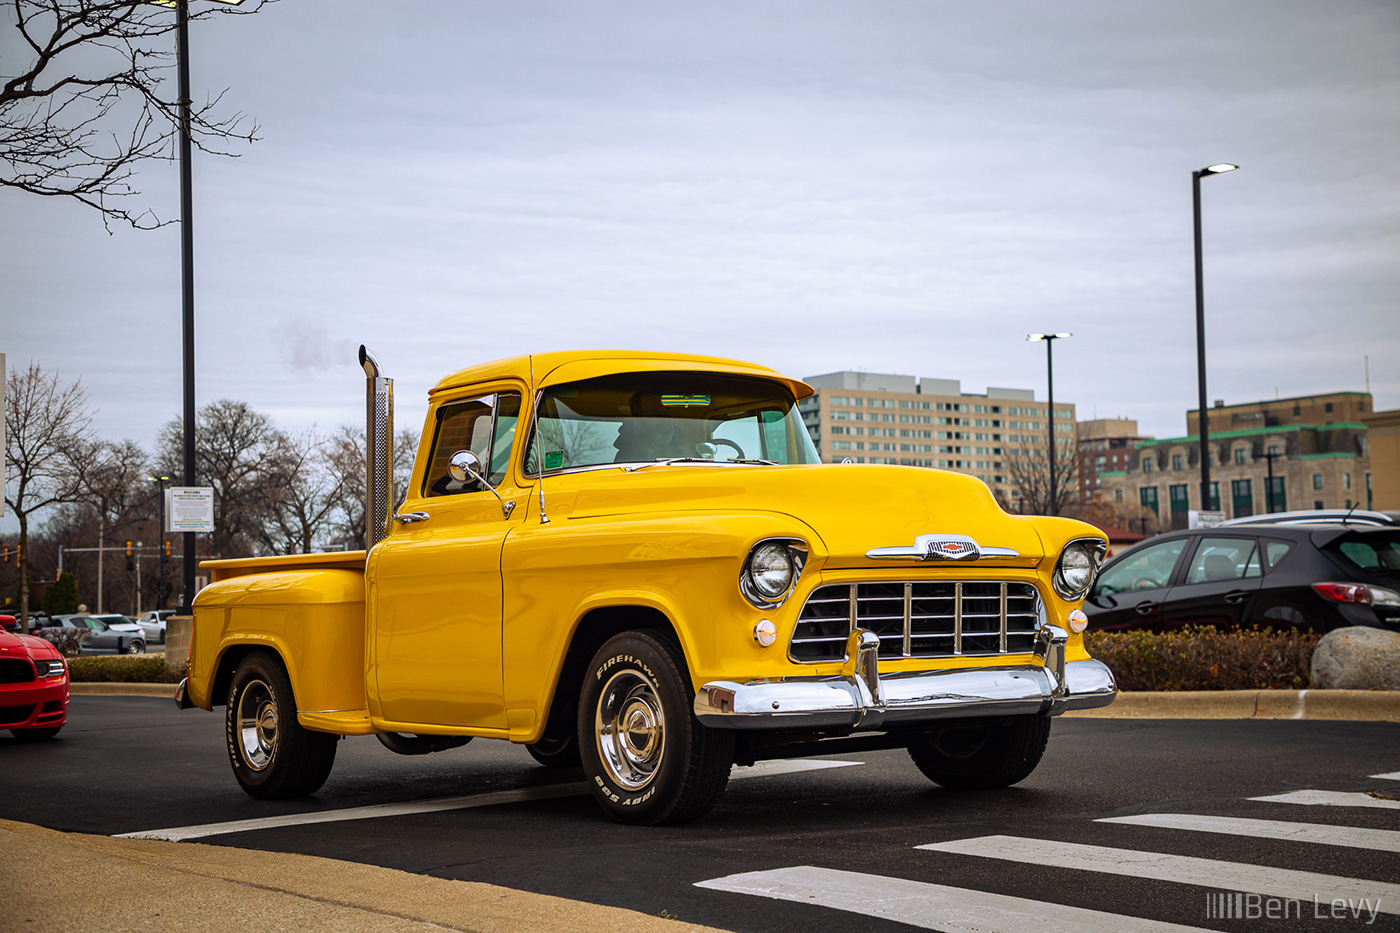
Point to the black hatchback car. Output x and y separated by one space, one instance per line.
1313 577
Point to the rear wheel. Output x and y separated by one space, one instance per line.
272 755
982 755
647 758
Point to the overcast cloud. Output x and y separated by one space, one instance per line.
894 187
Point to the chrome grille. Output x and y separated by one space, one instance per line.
919 619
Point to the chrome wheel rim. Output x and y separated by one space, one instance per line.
630 725
257 725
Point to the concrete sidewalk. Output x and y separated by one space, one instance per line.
69 882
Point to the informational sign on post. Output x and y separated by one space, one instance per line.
189 508
1200 518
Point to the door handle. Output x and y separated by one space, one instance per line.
1236 596
408 518
1145 607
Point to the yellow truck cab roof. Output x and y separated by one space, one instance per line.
573 365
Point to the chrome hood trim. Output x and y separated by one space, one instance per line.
942 547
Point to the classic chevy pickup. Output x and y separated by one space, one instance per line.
646 571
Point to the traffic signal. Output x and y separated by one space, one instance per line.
167 549
128 549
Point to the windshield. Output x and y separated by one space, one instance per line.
1374 552
645 417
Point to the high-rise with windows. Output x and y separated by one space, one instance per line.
1310 452
924 422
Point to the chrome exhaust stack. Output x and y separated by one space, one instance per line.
379 449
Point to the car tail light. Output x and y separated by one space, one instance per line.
1344 592
1358 593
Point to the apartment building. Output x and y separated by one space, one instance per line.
925 422
1106 445
1310 452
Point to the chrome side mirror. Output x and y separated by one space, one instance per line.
465 465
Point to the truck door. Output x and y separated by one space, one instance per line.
434 584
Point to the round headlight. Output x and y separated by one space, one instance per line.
770 570
1079 561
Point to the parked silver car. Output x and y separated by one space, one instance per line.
153 625
104 634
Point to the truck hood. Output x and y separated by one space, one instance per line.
852 508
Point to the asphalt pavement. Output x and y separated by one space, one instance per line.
853 842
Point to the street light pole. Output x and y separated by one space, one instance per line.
1203 421
1050 398
160 482
182 13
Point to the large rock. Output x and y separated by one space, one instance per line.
1357 658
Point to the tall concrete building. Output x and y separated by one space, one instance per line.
1315 448
1106 445
924 422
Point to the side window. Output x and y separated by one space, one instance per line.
1224 559
1143 568
1276 551
486 427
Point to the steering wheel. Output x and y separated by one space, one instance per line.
1145 583
720 441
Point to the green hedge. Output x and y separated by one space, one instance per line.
1199 658
1202 658
122 669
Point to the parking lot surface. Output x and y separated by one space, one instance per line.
1126 825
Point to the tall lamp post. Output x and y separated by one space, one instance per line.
182 55
160 482
1203 422
1050 396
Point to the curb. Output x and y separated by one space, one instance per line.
1344 705
1340 705
123 690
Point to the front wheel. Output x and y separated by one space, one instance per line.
556 753
647 758
136 647
979 756
35 735
273 757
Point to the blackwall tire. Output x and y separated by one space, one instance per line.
647 759
35 735
981 756
272 756
556 753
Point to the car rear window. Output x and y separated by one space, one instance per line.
1375 552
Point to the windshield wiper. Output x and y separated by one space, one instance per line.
667 461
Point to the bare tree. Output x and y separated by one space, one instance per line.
308 495
1028 466
46 444
345 456
85 101
114 491
238 452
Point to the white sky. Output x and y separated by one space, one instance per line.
894 187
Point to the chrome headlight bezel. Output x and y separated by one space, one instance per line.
1091 548
794 550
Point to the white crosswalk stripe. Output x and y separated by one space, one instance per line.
1184 869
1331 798
1379 840
1392 776
440 804
930 906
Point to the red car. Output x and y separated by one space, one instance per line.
33 687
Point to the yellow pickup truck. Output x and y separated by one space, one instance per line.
635 563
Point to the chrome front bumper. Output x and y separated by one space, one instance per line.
859 698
